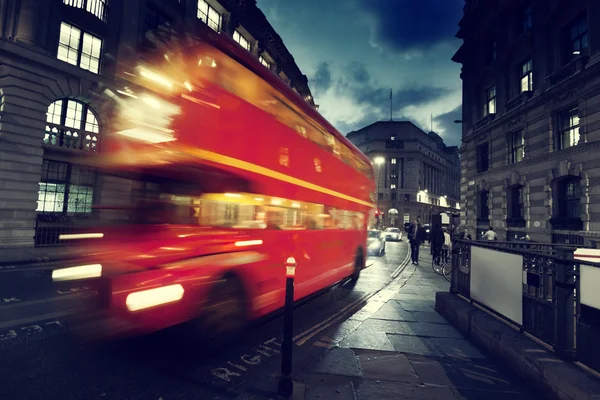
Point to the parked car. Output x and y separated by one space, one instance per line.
375 243
393 234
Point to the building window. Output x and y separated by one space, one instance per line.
79 48
483 157
516 203
527 76
407 197
153 21
72 125
568 128
577 38
517 147
526 19
264 62
393 137
484 212
393 186
393 161
567 212
394 196
406 218
96 7
65 189
238 37
209 15
490 101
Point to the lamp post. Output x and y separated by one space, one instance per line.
378 161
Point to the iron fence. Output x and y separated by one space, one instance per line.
552 309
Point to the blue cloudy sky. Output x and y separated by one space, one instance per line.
354 51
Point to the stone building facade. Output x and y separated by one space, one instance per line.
417 174
55 56
531 119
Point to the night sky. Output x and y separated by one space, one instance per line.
355 51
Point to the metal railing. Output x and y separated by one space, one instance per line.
552 307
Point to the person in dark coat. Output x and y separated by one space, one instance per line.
416 234
437 241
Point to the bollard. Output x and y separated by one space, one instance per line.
285 388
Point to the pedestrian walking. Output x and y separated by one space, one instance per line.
490 234
416 235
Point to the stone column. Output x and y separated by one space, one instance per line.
27 23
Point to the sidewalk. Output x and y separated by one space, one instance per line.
401 348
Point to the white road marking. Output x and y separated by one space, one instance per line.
260 353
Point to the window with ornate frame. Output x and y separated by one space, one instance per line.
71 124
99 8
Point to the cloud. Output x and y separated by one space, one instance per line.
356 82
450 131
412 25
321 80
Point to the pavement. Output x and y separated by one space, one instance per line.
402 348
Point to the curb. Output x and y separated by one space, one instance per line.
536 364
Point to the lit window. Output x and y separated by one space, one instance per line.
517 147
95 7
490 104
578 38
393 161
79 48
527 77
65 189
238 37
393 137
209 15
264 62
71 125
393 186
568 126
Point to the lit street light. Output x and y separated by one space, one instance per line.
378 161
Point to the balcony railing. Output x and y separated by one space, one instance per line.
485 121
567 71
555 305
517 101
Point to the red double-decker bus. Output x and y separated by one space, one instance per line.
225 172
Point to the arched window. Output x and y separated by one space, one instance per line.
71 124
96 7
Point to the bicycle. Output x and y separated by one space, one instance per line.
447 271
438 268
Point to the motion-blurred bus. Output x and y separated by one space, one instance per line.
226 173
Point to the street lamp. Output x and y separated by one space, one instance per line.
378 161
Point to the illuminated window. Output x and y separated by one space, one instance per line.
71 125
65 189
568 126
209 15
238 37
490 103
264 62
517 147
79 48
527 76
393 161
95 7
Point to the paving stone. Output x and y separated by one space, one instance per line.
474 374
428 316
431 330
338 361
407 296
415 305
340 332
364 339
415 345
382 325
370 390
393 311
387 367
323 387
458 348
